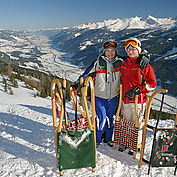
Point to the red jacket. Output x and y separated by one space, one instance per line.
132 76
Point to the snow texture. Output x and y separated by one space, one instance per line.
74 144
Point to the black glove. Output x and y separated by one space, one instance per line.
143 60
130 94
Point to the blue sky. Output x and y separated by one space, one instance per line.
34 14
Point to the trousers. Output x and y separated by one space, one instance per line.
128 113
105 110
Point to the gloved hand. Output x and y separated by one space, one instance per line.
143 60
130 94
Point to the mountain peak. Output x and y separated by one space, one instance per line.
130 23
151 20
151 17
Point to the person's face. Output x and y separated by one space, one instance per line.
110 53
132 52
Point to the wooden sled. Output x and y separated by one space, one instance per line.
131 141
127 130
164 148
75 146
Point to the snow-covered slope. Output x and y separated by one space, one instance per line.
27 142
34 52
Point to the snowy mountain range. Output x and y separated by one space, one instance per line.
149 22
82 37
65 51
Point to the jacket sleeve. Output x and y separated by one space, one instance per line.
90 71
149 82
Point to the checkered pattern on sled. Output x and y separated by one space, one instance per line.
82 122
126 134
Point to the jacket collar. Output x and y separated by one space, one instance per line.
112 60
132 59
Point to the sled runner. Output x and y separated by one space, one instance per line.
164 148
75 141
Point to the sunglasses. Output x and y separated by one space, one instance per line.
128 50
131 42
107 44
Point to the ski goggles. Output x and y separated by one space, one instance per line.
131 42
110 44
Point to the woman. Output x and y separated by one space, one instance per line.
135 81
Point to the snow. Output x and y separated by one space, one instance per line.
170 55
52 62
170 103
27 141
50 59
74 144
131 23
77 34
85 44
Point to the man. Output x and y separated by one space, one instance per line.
105 72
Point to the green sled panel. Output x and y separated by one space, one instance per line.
76 149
